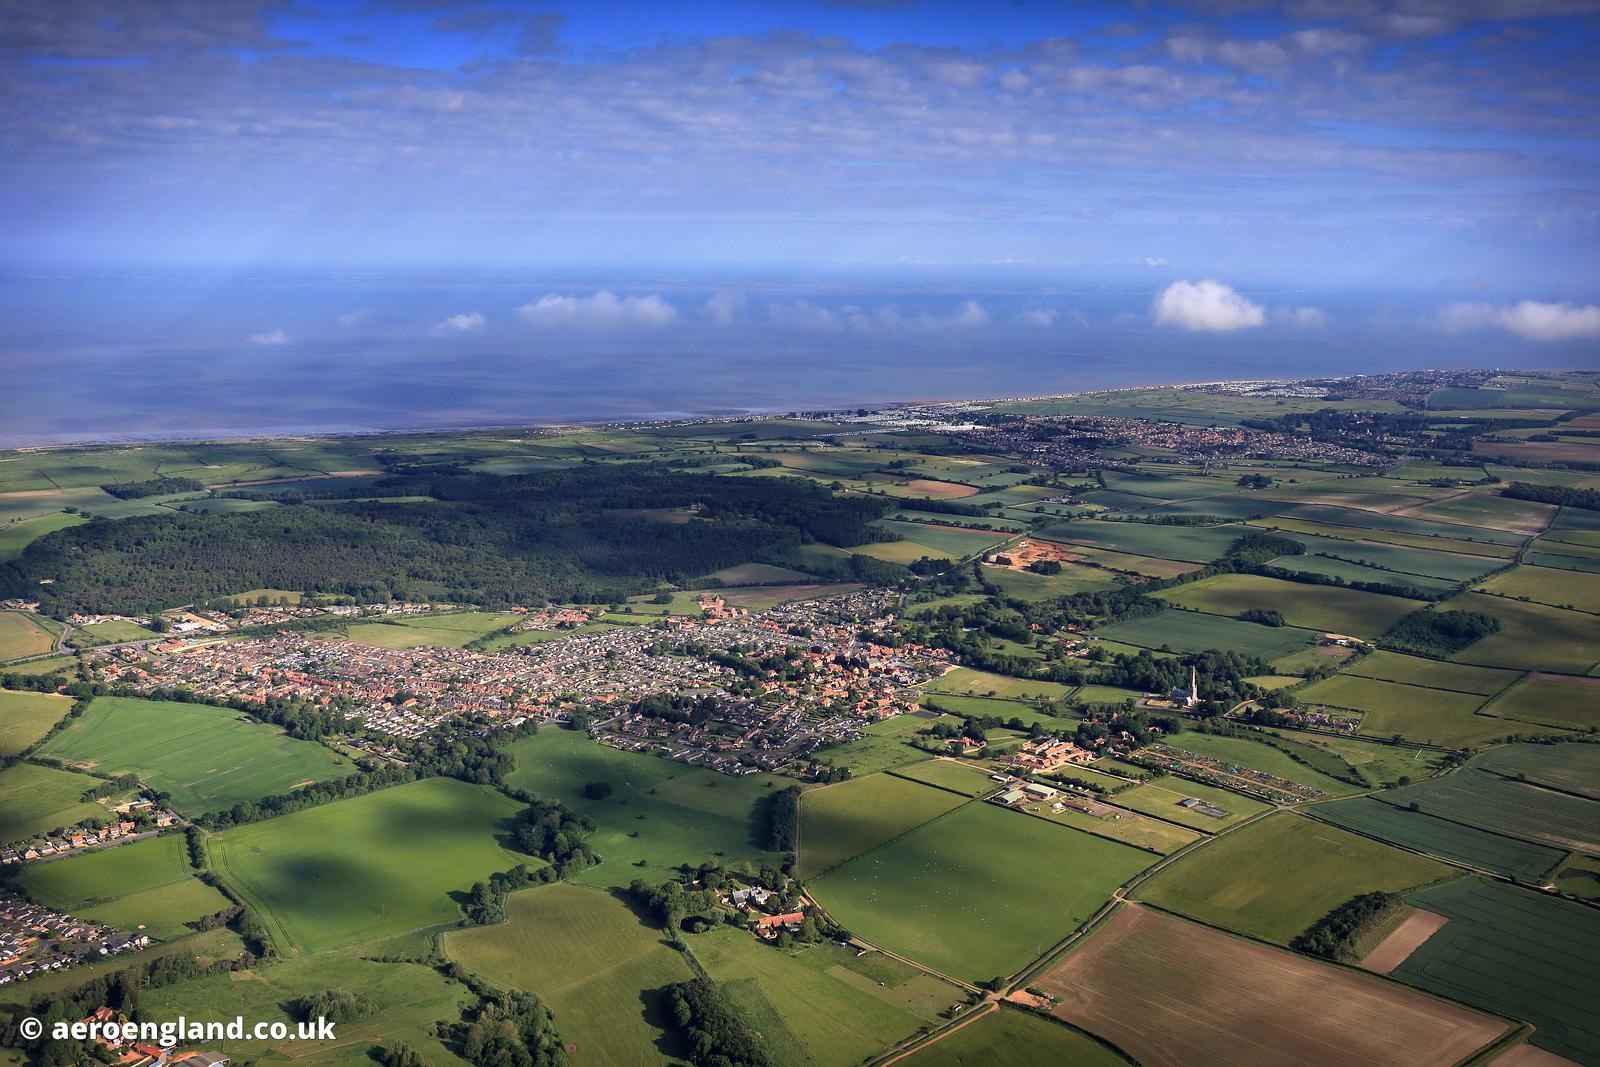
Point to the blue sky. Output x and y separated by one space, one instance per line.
1414 145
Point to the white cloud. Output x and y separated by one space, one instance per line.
1208 306
603 308
1306 318
802 314
723 308
1534 319
970 313
1038 317
1155 261
466 322
272 338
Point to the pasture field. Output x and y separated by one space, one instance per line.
1275 878
761 597
35 800
1120 824
410 998
25 717
951 774
1431 673
1005 709
146 882
1162 797
1260 756
32 503
370 866
1025 585
1550 700
275 596
1196 631
1012 1038
598 966
1103 694
952 541
839 822
1175 994
660 812
1317 607
883 745
1532 637
820 1005
980 892
1185 544
1351 518
1383 763
49 665
759 574
1579 876
1231 506
23 635
16 536
207 758
102 633
1555 555
1350 571
1166 486
1558 588
1353 537
1573 768
1397 560
446 631
965 680
1518 809
1432 716
1150 566
1520 953
1489 509
1522 860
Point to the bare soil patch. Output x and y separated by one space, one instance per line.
1402 941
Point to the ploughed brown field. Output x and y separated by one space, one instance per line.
1402 941
1172 992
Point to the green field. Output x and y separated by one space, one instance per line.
370 866
839 822
1519 953
445 631
1422 528
592 960
882 745
1317 607
1161 798
1194 631
1431 673
16 536
1258 755
145 885
963 778
979 892
26 717
1025 585
1559 588
1419 832
67 665
1013 1038
1357 572
1550 700
1382 762
35 800
965 680
1519 809
660 812
1275 878
1572 768
207 758
1119 824
820 1005
1532 636
23 635
1432 716
1186 544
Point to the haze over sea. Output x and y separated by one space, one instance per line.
158 355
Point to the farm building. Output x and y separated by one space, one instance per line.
1049 753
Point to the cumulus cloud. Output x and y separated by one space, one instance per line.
271 338
1155 261
1535 320
723 308
804 314
1038 317
1207 306
1306 318
603 308
466 322
970 313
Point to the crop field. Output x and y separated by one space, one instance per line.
965 680
1550 700
146 885
1382 762
1558 588
1260 756
1186 544
820 1004
1431 673
1362 536
1275 878
1509 856
761 597
207 758
1520 953
1162 797
1149 566
949 774
1573 768
660 812
1174 994
446 631
1432 562
1012 1038
1491 510
1360 572
370 866
592 960
1431 716
36 800
1377 521
1025 585
1519 809
1531 636
980 892
948 540
16 536
26 717
23 635
839 822
1195 631
1346 611
758 574
1231 506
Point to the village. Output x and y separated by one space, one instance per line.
35 940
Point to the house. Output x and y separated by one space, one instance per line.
772 922
1048 753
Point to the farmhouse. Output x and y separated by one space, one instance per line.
1049 753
